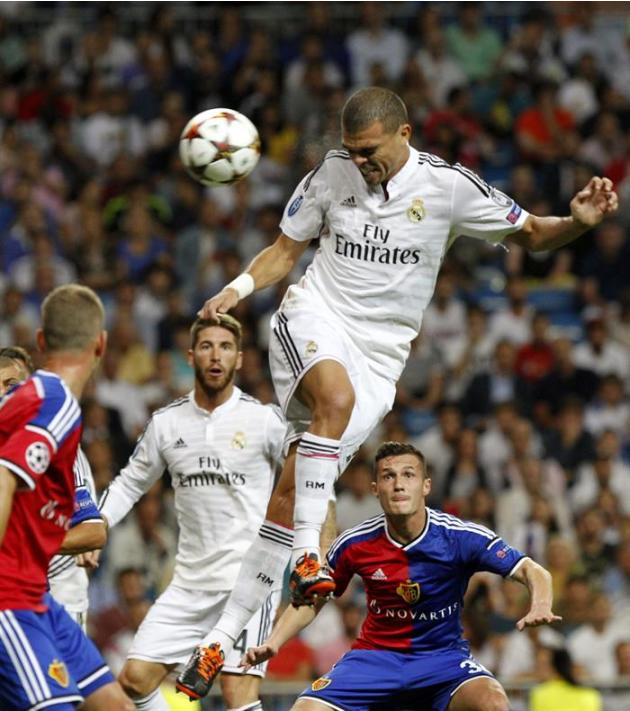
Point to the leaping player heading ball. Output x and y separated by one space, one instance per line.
385 214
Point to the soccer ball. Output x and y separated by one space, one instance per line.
219 146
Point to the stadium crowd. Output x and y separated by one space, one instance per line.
517 388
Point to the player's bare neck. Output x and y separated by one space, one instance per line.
72 368
405 529
211 399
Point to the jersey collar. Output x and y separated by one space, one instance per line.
416 540
401 176
225 407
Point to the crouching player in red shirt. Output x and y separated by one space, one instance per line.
46 661
415 563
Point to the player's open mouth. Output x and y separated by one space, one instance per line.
215 371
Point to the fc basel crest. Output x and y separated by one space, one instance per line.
321 683
409 591
57 670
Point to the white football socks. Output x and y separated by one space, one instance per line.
316 469
261 572
152 702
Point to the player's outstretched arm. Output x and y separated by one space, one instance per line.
87 536
589 207
268 267
292 621
538 582
8 485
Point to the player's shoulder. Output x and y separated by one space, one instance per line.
336 162
250 402
172 409
365 531
447 173
444 524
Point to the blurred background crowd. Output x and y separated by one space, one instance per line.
517 388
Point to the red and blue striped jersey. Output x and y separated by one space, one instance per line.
415 591
40 429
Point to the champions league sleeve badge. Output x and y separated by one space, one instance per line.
416 213
295 205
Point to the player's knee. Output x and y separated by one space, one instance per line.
134 682
334 407
493 700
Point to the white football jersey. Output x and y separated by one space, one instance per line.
68 583
381 249
222 466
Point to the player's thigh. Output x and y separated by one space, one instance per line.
177 622
481 694
239 689
140 677
326 388
32 670
309 705
109 697
85 663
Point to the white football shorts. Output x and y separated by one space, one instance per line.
303 335
179 619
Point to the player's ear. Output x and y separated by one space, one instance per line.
239 360
373 487
189 357
405 131
426 486
101 344
40 340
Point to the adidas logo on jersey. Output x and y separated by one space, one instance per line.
179 444
349 202
378 575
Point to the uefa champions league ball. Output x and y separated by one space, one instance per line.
219 147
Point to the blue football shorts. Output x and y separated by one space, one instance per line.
375 680
46 660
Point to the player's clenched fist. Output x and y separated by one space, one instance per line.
257 655
221 303
594 202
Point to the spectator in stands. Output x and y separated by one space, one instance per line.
607 263
535 359
560 687
475 47
593 644
497 383
566 379
513 322
465 474
598 352
356 502
569 443
597 552
436 64
376 43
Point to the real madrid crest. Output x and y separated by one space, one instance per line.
409 591
320 683
57 670
238 441
311 348
416 213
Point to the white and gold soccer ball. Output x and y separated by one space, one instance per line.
219 146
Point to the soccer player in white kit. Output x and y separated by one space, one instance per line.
385 214
67 581
222 449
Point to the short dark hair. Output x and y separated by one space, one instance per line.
225 321
372 104
395 449
13 353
